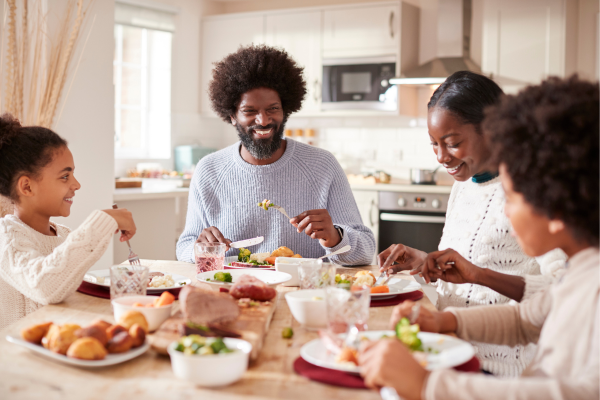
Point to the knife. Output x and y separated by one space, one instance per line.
247 242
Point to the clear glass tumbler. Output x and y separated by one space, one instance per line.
347 307
128 280
314 274
209 256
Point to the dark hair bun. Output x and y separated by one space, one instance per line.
9 128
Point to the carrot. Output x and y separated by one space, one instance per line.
380 289
270 260
165 299
137 305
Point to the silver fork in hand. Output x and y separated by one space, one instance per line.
132 258
281 210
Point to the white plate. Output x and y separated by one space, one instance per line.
397 286
271 278
92 277
111 359
231 259
452 351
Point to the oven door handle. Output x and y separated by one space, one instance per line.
430 219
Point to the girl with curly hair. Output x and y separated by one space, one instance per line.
42 262
545 140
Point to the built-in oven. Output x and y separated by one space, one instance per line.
359 83
413 219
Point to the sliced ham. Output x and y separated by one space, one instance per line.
247 286
205 306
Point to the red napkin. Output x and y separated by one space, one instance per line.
104 292
343 379
414 296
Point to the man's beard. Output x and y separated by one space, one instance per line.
261 149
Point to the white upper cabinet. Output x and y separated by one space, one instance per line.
299 34
361 31
222 36
524 40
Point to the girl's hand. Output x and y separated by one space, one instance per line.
429 321
388 362
124 221
406 258
449 266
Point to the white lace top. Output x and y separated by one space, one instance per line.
477 229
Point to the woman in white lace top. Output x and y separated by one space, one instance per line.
476 226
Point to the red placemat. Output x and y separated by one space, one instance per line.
104 292
414 296
343 379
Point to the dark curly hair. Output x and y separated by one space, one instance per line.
547 136
253 67
466 94
24 150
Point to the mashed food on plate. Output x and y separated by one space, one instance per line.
162 281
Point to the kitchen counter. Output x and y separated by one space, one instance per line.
149 193
399 185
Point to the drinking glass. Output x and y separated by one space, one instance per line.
314 274
347 307
209 256
128 280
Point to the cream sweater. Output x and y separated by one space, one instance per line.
563 319
36 269
477 228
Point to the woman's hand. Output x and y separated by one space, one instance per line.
212 235
124 221
318 225
388 362
406 258
449 266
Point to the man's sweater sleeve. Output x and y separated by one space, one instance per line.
344 213
50 279
195 221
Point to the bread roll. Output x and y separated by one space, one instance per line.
114 329
94 331
87 348
138 335
35 333
120 343
60 339
132 317
101 323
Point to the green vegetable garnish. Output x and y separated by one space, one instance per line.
266 204
244 255
407 334
218 346
223 277
287 333
196 344
197 326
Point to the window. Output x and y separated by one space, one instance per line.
142 80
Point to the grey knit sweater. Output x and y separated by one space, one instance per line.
225 191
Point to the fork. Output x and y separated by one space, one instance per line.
280 209
132 257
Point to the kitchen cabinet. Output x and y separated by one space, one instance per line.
368 206
524 41
361 31
222 36
299 34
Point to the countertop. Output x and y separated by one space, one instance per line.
149 193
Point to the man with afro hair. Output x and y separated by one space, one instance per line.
256 89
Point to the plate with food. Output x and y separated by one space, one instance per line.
229 277
394 287
158 282
247 259
432 350
98 344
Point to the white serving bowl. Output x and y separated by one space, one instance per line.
154 315
214 369
310 313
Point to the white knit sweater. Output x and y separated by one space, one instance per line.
36 269
477 228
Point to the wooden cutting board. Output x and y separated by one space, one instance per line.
253 324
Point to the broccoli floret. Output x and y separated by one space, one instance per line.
244 255
223 277
287 333
219 346
407 334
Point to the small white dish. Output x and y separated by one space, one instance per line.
451 351
154 315
101 277
111 359
271 278
308 307
215 369
290 266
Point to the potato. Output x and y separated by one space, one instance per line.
35 333
138 335
282 252
133 317
120 343
94 331
87 348
113 330
61 338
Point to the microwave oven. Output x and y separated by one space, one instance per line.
359 83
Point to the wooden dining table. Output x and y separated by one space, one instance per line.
26 374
